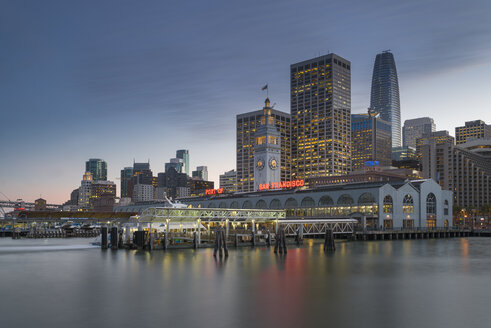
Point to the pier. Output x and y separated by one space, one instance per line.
166 228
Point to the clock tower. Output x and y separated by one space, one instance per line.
267 150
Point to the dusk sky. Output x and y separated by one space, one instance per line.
123 80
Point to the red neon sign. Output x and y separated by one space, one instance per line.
213 191
282 185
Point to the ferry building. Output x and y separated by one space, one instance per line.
376 205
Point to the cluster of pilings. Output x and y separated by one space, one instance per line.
280 244
329 245
220 243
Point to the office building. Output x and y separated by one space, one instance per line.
384 98
126 176
91 190
403 153
247 125
370 141
201 173
97 167
142 193
183 154
464 169
320 99
175 163
472 130
228 181
415 129
85 191
439 137
198 186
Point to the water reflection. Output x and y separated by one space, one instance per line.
371 284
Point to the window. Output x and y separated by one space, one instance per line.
388 206
408 204
430 204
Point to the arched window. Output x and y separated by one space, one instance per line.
388 205
345 200
308 202
223 205
234 204
291 203
326 201
366 198
261 204
408 204
247 204
275 204
431 204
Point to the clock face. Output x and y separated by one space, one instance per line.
260 164
273 163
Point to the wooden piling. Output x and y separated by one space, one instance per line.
329 245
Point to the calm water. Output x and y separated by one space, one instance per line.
414 283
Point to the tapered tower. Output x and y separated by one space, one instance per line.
385 94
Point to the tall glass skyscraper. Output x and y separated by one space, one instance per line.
385 93
97 167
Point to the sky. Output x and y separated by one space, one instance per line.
137 80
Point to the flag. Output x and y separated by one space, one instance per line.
264 88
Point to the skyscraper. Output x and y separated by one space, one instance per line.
385 93
415 128
320 99
126 175
184 155
370 141
97 167
247 125
201 173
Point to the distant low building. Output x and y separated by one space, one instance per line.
40 204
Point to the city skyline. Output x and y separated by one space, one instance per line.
71 86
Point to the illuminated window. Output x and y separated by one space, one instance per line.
388 204
272 140
408 204
261 140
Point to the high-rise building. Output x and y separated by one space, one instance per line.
384 97
320 99
91 190
228 181
439 137
85 191
370 141
97 167
464 169
176 163
142 193
415 128
126 175
247 124
201 173
184 155
141 175
472 130
101 189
